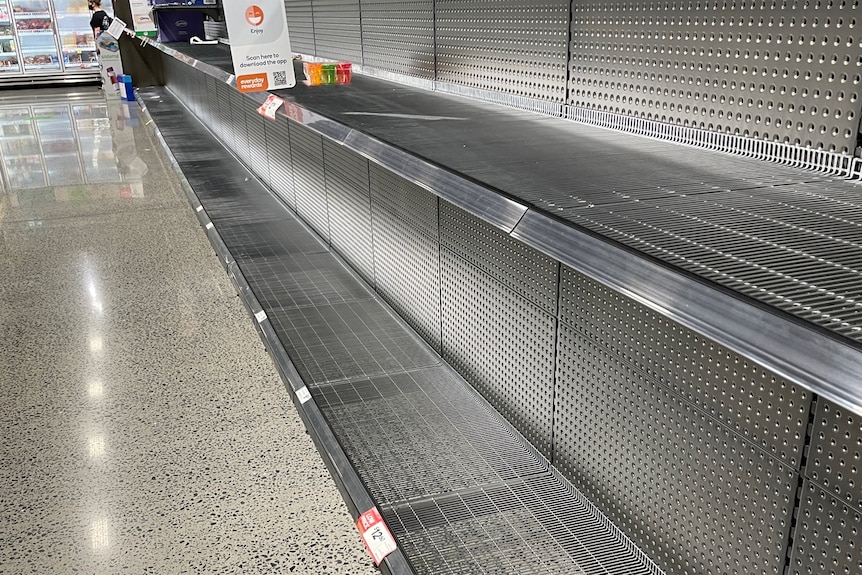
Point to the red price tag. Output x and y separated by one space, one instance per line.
376 535
270 106
293 111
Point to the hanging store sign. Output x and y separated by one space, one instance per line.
116 28
142 18
259 45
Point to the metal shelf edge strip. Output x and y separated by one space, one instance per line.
829 368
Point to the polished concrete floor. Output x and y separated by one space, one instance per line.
143 428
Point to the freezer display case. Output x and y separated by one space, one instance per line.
36 35
46 41
9 63
76 37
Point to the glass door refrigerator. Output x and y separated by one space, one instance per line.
46 41
9 63
75 36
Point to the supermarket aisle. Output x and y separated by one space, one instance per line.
143 427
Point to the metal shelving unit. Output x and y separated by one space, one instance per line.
629 318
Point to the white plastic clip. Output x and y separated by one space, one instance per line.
302 394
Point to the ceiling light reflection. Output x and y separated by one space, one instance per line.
91 279
95 389
96 344
99 534
97 446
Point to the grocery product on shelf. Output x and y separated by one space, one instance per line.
318 73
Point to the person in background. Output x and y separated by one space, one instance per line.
100 20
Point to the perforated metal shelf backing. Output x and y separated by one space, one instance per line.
751 401
794 247
306 150
398 36
518 266
694 495
180 84
204 109
301 279
502 344
785 71
221 112
212 105
171 73
827 536
196 96
225 114
458 490
347 340
238 105
279 158
337 32
407 251
835 456
349 207
409 203
507 46
257 152
300 19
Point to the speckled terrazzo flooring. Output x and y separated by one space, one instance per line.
143 428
